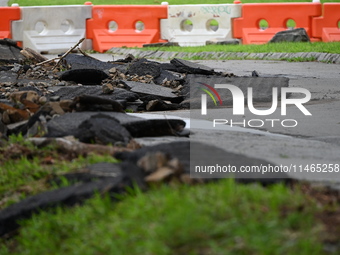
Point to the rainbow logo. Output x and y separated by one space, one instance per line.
210 94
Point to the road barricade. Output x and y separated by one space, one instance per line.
248 29
7 15
125 25
327 26
51 29
193 25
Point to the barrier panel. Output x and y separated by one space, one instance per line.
51 29
7 15
248 29
125 25
327 26
193 25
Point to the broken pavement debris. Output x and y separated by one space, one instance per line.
86 100
84 76
291 35
9 52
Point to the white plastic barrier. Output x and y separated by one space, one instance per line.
193 25
51 29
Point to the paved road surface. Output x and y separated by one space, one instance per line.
316 138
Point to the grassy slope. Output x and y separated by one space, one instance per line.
217 218
213 219
25 168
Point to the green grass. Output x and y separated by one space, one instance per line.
217 218
142 2
330 47
23 177
220 52
209 51
26 171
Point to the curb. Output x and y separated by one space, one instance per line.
313 56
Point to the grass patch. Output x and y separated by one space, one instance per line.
217 218
142 2
234 52
292 47
25 169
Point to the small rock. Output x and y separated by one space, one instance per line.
66 105
176 165
16 68
226 74
30 106
151 105
160 105
43 84
5 118
54 98
113 70
152 161
178 88
62 83
28 95
36 68
16 115
129 58
7 84
54 108
255 74
107 88
161 174
293 35
42 100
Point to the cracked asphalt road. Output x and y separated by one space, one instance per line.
316 138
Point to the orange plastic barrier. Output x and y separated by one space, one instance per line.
276 14
326 27
125 25
7 14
